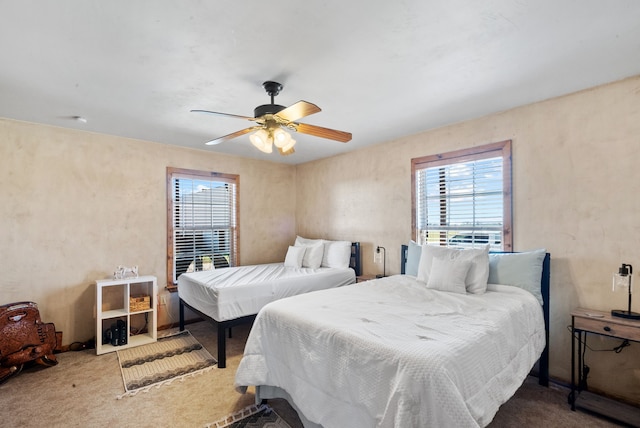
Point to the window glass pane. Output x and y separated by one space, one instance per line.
204 228
461 203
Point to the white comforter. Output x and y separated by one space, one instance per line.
230 293
392 353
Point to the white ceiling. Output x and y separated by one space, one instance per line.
378 69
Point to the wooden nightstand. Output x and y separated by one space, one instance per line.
363 278
588 321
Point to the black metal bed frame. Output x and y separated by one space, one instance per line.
222 326
543 362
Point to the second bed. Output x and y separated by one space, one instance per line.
233 296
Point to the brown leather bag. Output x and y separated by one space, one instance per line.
24 338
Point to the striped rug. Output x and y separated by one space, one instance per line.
261 416
171 357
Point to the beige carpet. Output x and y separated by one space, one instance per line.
81 391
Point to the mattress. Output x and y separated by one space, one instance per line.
230 293
390 352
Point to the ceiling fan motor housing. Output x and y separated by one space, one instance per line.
272 88
267 109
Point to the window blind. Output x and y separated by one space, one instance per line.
460 198
204 224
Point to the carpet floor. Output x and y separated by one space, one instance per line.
82 391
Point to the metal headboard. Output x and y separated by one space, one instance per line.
356 262
545 285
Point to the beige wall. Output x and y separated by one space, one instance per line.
576 192
75 205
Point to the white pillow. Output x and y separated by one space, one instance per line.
449 274
294 257
304 241
337 254
312 255
522 270
478 274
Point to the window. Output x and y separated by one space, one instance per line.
463 198
202 221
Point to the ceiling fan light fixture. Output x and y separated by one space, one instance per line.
289 145
288 152
281 137
261 141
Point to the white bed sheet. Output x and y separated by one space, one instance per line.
230 293
392 353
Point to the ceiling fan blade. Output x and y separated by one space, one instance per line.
223 114
298 111
321 132
230 136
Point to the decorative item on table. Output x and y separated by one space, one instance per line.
139 303
622 281
123 272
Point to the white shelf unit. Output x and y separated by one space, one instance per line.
113 304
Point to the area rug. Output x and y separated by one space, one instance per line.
261 416
172 357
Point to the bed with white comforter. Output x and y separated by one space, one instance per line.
234 295
394 353
230 293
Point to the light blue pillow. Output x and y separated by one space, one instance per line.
413 259
523 270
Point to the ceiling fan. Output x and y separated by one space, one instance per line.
272 121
